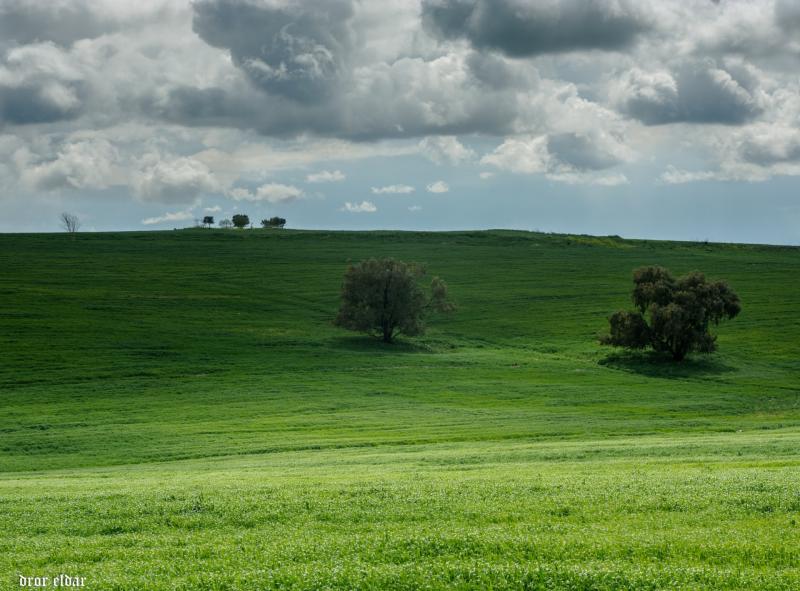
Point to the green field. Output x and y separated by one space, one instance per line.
177 411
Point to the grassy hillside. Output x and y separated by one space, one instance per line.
178 412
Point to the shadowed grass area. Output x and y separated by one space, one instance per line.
178 412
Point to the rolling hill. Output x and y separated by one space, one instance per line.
178 412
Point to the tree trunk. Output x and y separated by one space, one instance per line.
387 335
678 355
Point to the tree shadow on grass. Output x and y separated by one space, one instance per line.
658 365
368 344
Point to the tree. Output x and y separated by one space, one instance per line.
225 224
384 298
672 315
274 222
70 222
208 221
240 220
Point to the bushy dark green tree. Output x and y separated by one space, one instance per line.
240 220
384 297
208 221
672 315
274 222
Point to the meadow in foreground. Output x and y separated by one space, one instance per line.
178 412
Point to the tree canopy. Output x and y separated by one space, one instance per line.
274 222
240 220
384 297
70 222
672 315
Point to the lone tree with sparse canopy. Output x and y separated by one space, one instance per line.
673 315
384 298
69 222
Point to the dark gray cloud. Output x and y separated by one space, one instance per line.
787 14
39 84
296 50
63 23
582 151
381 113
696 93
27 104
522 28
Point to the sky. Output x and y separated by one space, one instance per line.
670 119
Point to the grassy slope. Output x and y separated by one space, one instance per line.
503 448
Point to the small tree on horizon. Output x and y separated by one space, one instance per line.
673 315
226 223
384 298
273 222
240 220
70 222
208 221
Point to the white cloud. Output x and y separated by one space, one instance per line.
177 216
173 180
674 176
270 192
609 180
326 176
569 158
414 208
393 189
438 187
78 164
445 150
363 207
128 98
214 209
520 156
486 175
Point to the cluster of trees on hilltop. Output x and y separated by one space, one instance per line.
241 220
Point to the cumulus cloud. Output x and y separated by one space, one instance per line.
674 176
363 207
176 216
177 180
414 208
438 187
80 164
59 21
270 192
696 93
296 50
40 84
171 101
445 150
519 28
569 157
393 190
326 176
753 154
